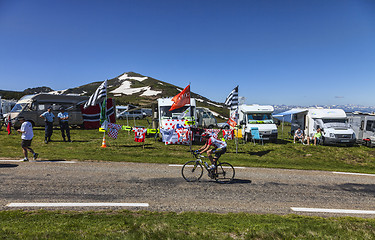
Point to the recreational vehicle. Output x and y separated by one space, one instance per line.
259 116
332 122
164 104
32 106
205 118
363 125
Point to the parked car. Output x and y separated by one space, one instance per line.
223 125
137 114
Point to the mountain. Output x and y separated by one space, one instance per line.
130 88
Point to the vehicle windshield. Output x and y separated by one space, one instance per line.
174 114
18 107
335 122
259 118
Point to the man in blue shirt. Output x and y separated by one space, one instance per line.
48 118
63 122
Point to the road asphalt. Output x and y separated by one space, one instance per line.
160 187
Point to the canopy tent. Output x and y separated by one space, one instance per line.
287 115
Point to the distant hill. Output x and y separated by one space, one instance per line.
129 88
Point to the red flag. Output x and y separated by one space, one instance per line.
181 99
9 129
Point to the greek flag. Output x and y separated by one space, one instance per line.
232 99
98 96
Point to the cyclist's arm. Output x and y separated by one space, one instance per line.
204 148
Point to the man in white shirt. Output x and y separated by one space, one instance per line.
27 136
298 135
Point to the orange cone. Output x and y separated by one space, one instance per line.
103 143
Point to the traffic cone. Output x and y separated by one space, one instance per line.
103 143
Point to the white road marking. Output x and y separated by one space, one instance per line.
104 204
178 165
326 210
358 174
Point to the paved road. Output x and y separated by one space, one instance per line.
255 190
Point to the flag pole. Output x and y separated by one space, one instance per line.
105 111
191 117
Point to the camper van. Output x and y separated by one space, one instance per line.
333 123
259 116
32 106
363 124
164 104
205 118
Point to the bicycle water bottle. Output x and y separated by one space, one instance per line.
206 164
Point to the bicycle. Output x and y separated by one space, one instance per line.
192 171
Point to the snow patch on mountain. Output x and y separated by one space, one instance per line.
126 89
125 76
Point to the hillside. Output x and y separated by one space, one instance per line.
129 88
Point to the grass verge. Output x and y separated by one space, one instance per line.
188 225
284 154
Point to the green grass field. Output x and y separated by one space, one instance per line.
86 145
188 225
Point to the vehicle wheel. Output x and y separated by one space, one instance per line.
192 171
137 118
224 173
226 127
210 127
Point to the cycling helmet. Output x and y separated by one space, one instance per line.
206 135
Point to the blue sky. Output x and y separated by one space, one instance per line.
278 52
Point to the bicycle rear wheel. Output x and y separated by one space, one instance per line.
224 173
192 171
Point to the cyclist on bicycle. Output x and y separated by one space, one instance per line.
219 149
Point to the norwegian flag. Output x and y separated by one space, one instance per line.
113 130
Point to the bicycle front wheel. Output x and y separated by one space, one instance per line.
224 173
192 171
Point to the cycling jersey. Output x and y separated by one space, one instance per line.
216 143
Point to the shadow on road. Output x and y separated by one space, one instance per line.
241 181
8 165
361 188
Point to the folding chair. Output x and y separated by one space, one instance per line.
255 135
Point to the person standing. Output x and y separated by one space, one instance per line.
48 118
27 136
64 125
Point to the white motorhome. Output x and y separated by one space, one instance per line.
164 104
205 118
259 116
332 122
363 125
31 106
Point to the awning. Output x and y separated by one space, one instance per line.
287 116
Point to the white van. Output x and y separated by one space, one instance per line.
363 124
332 122
32 106
205 118
259 116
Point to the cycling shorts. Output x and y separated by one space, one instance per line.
219 151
